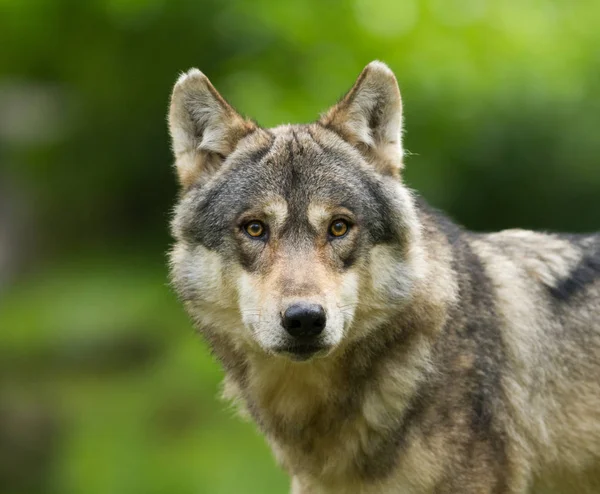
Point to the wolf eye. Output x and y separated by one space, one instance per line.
338 228
255 229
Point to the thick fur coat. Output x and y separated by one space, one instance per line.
447 361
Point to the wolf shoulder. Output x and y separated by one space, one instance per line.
561 270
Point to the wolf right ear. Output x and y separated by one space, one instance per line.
204 127
369 117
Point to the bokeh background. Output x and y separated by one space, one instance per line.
104 387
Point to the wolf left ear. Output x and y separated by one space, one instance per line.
369 117
204 128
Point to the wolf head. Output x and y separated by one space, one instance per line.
295 240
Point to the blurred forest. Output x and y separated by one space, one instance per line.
104 387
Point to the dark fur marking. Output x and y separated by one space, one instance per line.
584 274
381 230
378 220
382 461
376 114
350 260
473 334
314 139
207 225
472 331
299 148
480 325
258 155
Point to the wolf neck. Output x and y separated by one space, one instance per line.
339 411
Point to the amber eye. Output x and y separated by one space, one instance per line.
338 228
255 228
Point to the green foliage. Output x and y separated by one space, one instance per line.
96 357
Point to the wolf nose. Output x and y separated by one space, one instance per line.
304 320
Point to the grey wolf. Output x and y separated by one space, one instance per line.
380 347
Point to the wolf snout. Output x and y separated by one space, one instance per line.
304 320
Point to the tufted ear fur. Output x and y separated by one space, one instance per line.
204 128
369 117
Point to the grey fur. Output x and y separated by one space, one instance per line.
452 362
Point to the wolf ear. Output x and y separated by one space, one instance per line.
369 117
204 127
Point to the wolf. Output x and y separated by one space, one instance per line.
379 346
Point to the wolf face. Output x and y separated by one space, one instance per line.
439 360
285 236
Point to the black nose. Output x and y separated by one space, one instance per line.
304 320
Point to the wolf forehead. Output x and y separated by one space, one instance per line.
295 169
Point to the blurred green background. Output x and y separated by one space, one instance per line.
104 387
